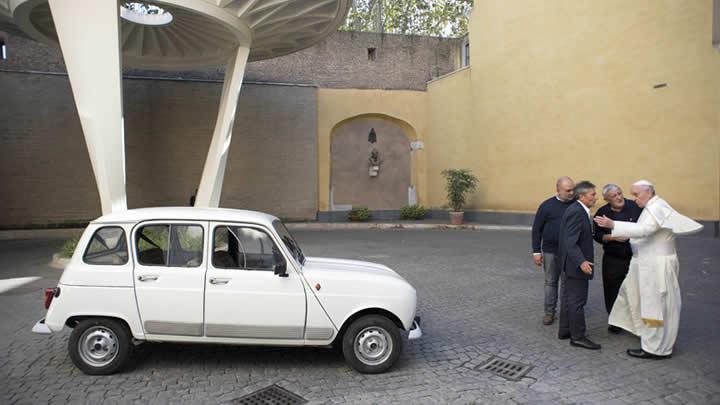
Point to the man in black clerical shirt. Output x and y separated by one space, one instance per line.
617 251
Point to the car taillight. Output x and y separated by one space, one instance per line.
51 293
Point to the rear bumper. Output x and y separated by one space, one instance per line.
41 328
415 330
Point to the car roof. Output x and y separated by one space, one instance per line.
186 213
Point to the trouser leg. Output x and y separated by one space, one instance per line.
552 277
564 323
577 291
614 270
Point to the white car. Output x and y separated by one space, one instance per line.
221 276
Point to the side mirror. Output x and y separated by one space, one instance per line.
280 269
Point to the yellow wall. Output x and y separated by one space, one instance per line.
451 142
566 88
407 108
563 87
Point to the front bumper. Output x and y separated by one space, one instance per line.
415 331
41 328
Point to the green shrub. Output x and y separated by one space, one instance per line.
413 212
359 214
68 248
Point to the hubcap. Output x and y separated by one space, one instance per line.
98 346
373 345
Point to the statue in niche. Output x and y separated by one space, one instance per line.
374 161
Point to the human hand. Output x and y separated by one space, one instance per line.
538 259
586 267
604 222
620 239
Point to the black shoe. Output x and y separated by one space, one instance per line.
642 354
563 336
585 343
614 329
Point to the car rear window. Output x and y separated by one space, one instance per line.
108 246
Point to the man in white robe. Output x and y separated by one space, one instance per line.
648 304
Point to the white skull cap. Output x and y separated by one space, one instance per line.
643 183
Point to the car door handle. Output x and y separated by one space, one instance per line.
217 281
147 278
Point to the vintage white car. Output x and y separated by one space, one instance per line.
221 276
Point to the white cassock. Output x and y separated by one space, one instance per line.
648 304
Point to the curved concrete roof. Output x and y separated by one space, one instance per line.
202 32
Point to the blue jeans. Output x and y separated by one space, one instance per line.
552 277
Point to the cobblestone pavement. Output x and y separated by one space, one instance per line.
479 296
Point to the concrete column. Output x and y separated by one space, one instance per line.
214 170
88 32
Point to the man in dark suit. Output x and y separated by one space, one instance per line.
576 259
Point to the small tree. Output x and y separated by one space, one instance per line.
459 183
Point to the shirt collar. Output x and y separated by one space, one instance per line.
584 207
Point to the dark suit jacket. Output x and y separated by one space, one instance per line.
576 241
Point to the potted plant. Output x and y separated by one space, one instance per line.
459 183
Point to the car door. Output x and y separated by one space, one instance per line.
244 298
170 276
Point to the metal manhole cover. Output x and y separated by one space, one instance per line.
510 370
272 395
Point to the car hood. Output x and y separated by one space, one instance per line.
320 267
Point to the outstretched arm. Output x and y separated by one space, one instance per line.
642 229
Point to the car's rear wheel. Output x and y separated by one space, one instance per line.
100 346
372 344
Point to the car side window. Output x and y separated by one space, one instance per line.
173 245
107 246
244 248
186 247
152 245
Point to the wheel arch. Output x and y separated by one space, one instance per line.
367 311
74 320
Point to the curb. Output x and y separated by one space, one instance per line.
300 226
314 226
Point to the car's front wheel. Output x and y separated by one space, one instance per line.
100 346
372 344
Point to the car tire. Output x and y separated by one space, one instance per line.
372 344
100 346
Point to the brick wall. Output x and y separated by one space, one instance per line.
45 171
340 61
47 178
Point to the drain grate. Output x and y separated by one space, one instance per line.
272 395
508 369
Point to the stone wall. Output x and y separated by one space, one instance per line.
46 174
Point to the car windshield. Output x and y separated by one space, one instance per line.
289 242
